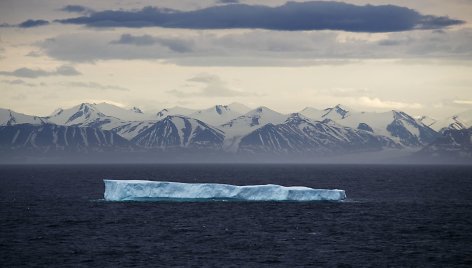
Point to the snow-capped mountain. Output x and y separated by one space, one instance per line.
128 130
178 132
459 121
83 115
126 123
244 124
136 110
428 121
9 117
397 125
177 110
133 114
215 115
335 113
222 128
300 134
252 120
50 137
239 108
87 114
313 113
453 143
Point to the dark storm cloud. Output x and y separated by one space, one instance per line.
33 23
174 44
292 16
63 70
76 9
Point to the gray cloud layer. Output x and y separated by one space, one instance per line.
18 82
33 23
213 86
63 70
94 85
228 1
292 16
174 44
77 9
265 47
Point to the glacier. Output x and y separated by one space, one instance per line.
142 190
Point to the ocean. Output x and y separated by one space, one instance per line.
395 216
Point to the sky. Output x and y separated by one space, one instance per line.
413 56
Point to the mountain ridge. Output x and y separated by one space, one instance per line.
334 130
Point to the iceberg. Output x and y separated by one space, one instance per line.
142 190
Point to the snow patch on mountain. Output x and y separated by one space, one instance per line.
458 122
396 125
215 115
300 134
9 117
49 137
239 108
242 125
174 132
177 110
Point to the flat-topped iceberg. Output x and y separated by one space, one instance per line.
140 190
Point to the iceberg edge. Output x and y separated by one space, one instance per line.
142 190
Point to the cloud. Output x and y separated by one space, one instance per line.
34 54
292 16
343 92
259 47
457 103
77 9
227 1
213 86
33 23
378 103
18 82
94 85
174 44
64 70
466 102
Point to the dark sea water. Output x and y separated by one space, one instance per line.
396 216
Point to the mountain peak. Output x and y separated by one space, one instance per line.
342 108
238 107
221 109
58 111
337 112
308 108
136 110
297 117
262 109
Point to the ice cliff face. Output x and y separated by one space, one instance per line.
137 190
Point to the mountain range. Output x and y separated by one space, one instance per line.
234 129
